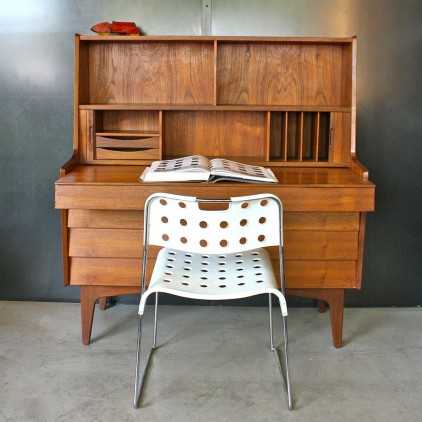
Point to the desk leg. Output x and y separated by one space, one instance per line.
89 295
335 300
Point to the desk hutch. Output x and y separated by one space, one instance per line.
285 103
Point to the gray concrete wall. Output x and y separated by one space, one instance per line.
36 66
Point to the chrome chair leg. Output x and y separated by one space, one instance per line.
140 375
138 364
270 311
286 364
154 343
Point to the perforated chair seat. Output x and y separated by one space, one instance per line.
212 276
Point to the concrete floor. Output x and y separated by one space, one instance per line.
213 365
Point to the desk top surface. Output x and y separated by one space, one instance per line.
287 176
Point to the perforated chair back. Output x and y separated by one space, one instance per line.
248 223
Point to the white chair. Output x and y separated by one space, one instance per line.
213 255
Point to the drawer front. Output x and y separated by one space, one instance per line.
126 243
126 272
325 221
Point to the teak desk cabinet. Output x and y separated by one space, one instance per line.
287 103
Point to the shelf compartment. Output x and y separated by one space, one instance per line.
283 74
214 133
299 136
162 72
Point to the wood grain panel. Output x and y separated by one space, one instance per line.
280 74
340 137
133 197
215 133
115 219
126 243
126 272
155 72
127 154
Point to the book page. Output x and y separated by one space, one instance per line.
184 169
191 163
221 167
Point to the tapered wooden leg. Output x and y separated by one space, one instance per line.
336 316
322 306
89 295
88 299
335 300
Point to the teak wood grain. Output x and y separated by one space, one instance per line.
180 73
284 102
115 219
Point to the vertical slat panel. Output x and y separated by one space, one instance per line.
285 135
267 135
317 140
301 137
215 72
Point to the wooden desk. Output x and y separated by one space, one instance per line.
144 98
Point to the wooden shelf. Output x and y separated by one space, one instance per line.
211 107
201 38
128 133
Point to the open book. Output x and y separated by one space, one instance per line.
199 168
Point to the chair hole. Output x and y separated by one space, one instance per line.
172 253
221 263
243 222
239 269
221 278
222 256
240 276
256 259
203 224
168 273
187 268
204 278
204 270
262 220
258 274
261 237
257 266
259 281
203 243
238 255
204 263
239 262
245 205
182 204
170 259
183 222
222 286
185 284
165 237
187 261
224 224
221 271
264 202
169 266
203 285
255 253
167 280
164 219
223 243
205 256
240 284
242 240
186 276
188 255
163 201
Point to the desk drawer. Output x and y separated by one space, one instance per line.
126 272
127 148
126 243
326 221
